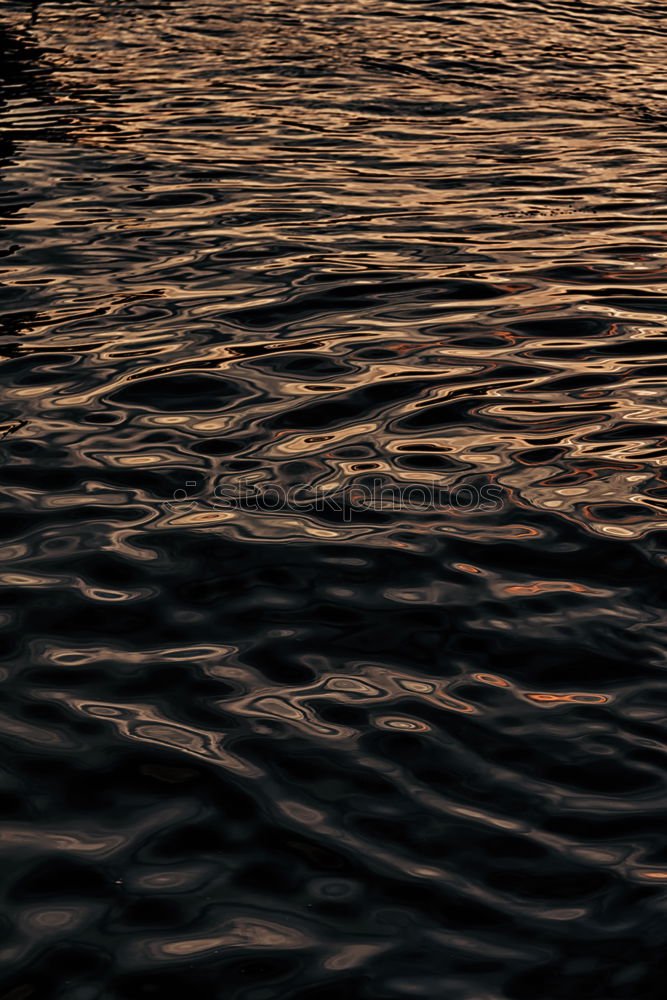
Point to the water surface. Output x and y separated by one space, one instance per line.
259 747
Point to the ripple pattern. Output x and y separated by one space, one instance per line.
333 345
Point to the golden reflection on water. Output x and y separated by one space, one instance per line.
319 245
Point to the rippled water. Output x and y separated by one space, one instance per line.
390 743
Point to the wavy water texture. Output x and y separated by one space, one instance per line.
405 741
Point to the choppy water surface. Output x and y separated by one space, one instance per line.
265 748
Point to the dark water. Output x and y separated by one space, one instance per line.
381 745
